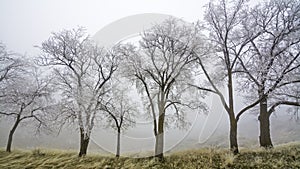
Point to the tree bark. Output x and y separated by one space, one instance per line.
159 138
233 121
11 134
264 120
233 136
84 142
118 143
159 146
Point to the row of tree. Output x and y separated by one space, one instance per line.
251 51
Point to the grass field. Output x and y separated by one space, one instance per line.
283 157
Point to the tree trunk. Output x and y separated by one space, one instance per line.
233 136
159 146
118 143
11 134
234 148
264 120
159 138
84 142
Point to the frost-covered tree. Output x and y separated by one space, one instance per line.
270 68
82 71
27 98
10 66
225 44
120 110
162 67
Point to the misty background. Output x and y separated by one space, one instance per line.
25 24
209 130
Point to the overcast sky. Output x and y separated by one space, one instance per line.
25 23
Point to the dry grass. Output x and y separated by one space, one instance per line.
285 156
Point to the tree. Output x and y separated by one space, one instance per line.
120 111
10 66
271 65
26 98
226 43
82 71
162 69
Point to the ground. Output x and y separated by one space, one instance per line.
282 156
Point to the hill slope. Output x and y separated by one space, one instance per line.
284 156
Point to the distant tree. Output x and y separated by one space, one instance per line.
162 69
10 66
26 98
294 93
271 65
120 111
82 71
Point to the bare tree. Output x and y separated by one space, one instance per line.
162 69
226 43
295 110
27 98
82 71
271 65
10 66
120 111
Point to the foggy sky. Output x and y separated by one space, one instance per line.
26 23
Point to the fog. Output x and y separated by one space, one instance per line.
25 24
209 130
